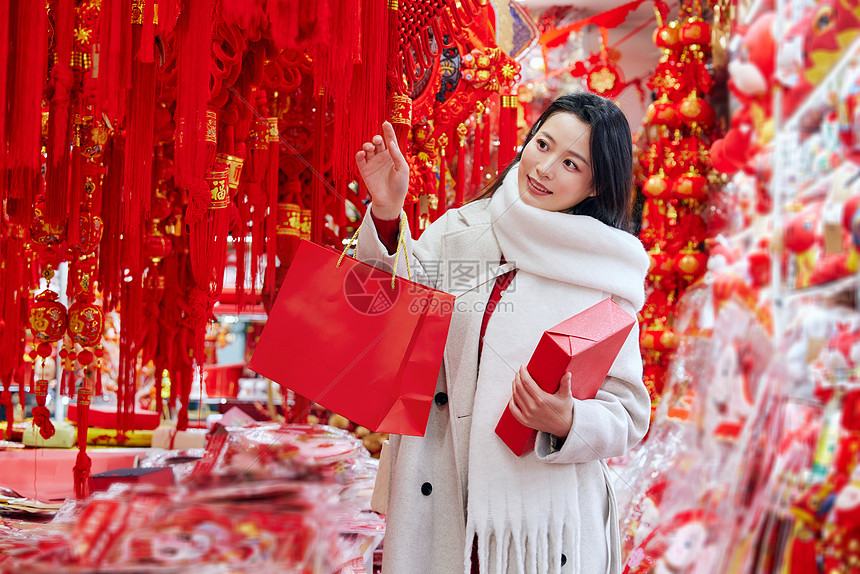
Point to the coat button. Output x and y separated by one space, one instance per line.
563 559
441 399
426 489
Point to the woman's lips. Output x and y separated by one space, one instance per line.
537 188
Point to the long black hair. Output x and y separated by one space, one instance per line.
611 157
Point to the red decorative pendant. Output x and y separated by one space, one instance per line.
47 317
86 323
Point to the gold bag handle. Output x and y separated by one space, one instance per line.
401 248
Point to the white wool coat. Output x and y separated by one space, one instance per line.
429 479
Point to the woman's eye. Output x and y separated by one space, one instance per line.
541 144
569 163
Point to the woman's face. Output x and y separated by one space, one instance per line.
555 168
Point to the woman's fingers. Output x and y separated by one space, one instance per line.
391 141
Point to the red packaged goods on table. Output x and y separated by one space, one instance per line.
585 345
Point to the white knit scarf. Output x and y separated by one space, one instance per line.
521 507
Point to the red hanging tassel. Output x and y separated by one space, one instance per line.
5 21
208 252
27 39
318 185
461 165
442 189
478 163
59 117
137 171
132 306
83 463
273 138
194 35
146 54
110 270
507 130
41 414
114 60
14 282
486 143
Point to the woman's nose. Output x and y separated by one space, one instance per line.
544 170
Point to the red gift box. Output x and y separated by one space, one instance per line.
585 345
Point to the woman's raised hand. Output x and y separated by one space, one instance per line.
385 173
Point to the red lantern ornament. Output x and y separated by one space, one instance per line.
691 186
663 112
86 323
668 36
47 317
656 186
691 263
696 32
658 337
694 111
605 79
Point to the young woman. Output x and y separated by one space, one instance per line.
546 241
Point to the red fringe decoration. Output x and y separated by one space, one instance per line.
6 402
110 271
478 162
442 189
137 171
76 197
114 67
486 143
272 195
42 419
366 85
27 39
83 463
41 414
318 161
168 11
146 54
131 307
60 116
5 20
14 282
461 173
507 130
194 31
184 379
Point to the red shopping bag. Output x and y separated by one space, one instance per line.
341 336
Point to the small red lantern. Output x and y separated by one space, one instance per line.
668 36
658 337
662 263
605 79
86 323
47 317
663 112
696 31
656 186
690 186
759 267
691 263
695 111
